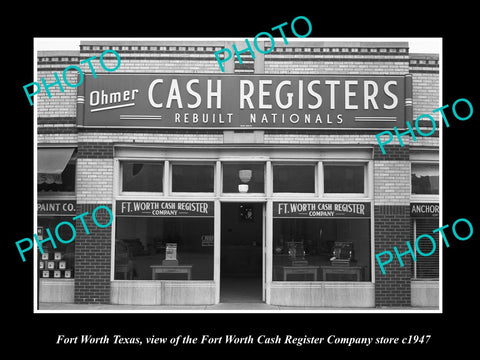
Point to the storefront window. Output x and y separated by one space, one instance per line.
59 262
344 178
164 248
425 178
294 178
62 182
142 176
426 267
321 250
192 178
243 177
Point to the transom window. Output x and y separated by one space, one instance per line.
192 177
294 178
143 176
243 177
339 178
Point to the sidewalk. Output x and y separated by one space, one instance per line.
222 307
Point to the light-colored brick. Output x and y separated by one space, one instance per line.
391 182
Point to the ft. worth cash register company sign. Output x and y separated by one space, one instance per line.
244 101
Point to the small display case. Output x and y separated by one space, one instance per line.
62 265
45 274
50 265
67 274
41 265
57 274
57 256
45 256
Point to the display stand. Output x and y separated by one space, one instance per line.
170 264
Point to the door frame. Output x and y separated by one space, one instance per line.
218 242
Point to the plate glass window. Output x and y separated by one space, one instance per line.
321 250
149 248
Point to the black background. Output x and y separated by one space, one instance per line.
455 329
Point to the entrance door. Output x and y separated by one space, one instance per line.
241 252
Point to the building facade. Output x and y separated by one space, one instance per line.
265 182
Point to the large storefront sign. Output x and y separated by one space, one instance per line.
243 101
165 208
56 207
296 209
424 210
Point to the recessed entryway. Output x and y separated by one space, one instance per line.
241 252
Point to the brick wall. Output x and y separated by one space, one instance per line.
338 59
61 104
392 152
94 187
158 137
92 257
391 182
425 70
94 182
392 188
94 149
148 57
392 228
425 79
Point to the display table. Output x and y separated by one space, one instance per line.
172 269
305 269
341 270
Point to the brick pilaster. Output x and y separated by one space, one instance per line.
92 257
392 228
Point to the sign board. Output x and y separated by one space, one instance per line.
195 101
320 209
207 240
171 251
56 207
165 208
424 210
